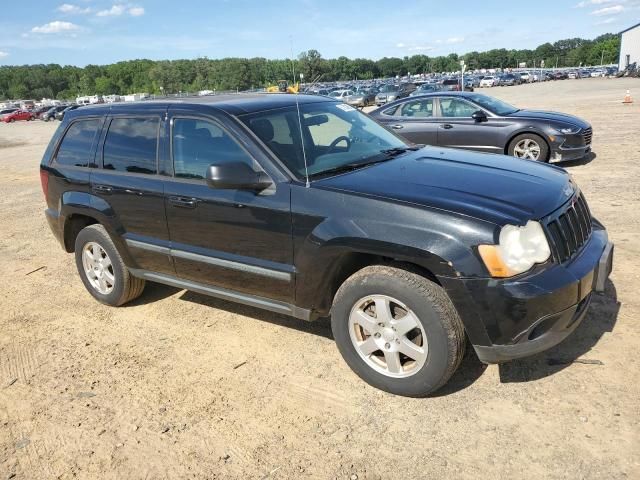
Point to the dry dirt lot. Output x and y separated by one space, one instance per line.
177 385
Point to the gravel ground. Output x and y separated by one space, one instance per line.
177 385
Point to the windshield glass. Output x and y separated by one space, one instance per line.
492 104
335 135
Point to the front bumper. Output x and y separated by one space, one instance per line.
514 318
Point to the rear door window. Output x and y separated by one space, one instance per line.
76 147
131 145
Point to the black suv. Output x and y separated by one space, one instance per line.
304 206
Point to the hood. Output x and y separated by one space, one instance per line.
551 117
494 188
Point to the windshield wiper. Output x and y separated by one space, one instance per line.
347 167
400 150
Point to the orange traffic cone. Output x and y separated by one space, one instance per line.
627 98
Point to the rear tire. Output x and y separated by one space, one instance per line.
102 269
418 319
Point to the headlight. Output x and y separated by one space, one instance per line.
518 249
391 97
567 130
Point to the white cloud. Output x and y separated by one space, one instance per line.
136 11
586 3
614 10
607 21
114 11
3 54
454 40
70 9
56 27
400 45
420 48
120 9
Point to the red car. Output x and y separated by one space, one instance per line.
18 115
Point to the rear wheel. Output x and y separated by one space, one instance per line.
529 146
102 269
397 330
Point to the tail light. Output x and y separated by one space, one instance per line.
44 181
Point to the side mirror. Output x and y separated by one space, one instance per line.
236 176
479 116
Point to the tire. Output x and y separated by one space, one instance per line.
433 314
520 140
46 119
11 120
124 286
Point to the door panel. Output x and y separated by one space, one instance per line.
457 129
240 240
414 120
128 182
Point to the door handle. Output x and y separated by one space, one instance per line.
183 202
105 189
397 127
447 126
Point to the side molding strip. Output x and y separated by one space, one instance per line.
225 294
220 262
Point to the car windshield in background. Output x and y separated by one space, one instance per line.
493 104
388 88
337 137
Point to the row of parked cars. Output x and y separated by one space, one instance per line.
10 115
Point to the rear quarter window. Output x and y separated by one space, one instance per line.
76 146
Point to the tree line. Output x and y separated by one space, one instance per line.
173 76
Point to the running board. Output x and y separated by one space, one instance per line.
225 294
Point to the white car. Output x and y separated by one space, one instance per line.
489 81
598 73
525 76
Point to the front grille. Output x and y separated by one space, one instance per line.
569 230
587 134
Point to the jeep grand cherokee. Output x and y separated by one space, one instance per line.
307 207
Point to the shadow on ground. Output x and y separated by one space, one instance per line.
600 319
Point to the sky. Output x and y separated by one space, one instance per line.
100 32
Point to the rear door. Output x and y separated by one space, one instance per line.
457 129
235 239
128 181
414 120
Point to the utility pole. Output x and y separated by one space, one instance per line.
602 57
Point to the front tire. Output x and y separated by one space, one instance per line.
397 330
102 269
529 146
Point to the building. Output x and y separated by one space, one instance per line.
629 46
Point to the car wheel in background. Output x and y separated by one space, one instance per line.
102 269
397 330
529 146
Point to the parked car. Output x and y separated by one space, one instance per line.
59 114
17 115
479 122
360 98
7 111
389 93
525 77
51 113
427 88
411 251
509 79
489 81
454 85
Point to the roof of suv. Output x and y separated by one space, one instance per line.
233 104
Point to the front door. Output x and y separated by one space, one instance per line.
234 239
457 129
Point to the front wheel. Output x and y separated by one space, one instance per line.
529 146
102 269
397 330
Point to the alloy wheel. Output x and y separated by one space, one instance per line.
527 148
98 268
388 336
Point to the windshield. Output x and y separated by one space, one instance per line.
335 135
492 104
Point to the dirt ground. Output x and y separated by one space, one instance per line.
178 385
